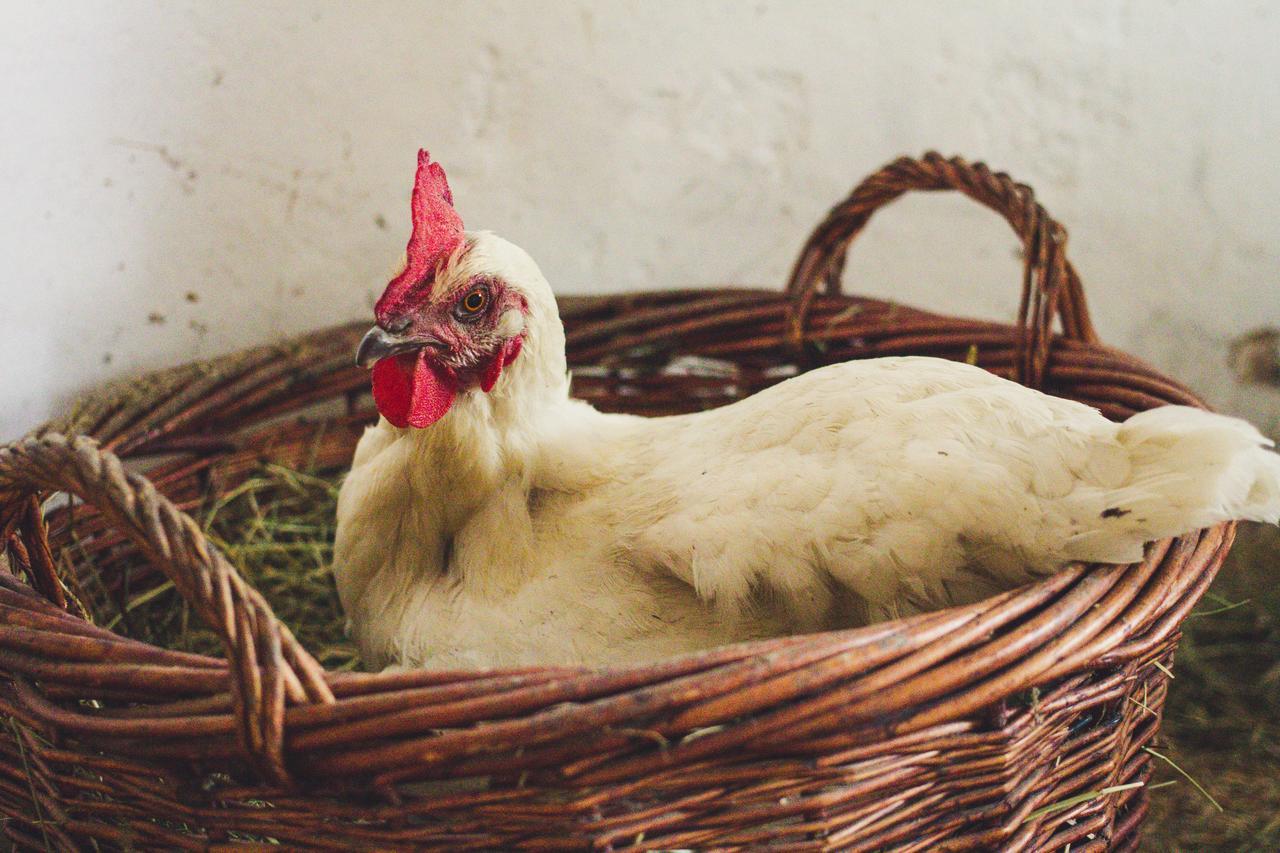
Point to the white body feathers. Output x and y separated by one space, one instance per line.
527 528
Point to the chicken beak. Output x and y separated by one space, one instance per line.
378 344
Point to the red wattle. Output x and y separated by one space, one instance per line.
411 390
510 350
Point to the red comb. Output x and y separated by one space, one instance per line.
437 231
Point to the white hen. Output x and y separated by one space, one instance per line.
490 520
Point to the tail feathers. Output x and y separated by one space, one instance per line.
1188 469
1230 473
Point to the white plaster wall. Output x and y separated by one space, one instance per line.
184 178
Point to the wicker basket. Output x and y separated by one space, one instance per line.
991 726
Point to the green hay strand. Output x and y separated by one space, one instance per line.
1225 608
1167 760
1078 799
277 529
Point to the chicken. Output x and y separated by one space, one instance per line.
491 520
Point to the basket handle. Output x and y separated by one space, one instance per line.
1050 286
267 665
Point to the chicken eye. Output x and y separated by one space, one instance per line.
473 303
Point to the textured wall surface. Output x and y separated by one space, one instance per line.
186 178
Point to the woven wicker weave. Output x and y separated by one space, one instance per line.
951 730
